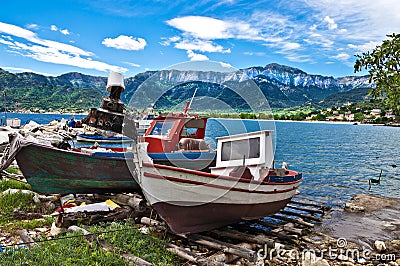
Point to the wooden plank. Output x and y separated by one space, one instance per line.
223 246
259 239
296 231
305 216
296 221
304 209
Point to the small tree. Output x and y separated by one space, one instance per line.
383 65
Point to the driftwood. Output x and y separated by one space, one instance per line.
287 228
192 257
223 246
295 221
26 238
131 259
322 207
305 216
305 209
228 258
234 234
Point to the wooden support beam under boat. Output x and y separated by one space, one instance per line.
258 239
292 230
305 216
226 257
291 206
223 246
296 221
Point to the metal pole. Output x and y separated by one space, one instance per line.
5 107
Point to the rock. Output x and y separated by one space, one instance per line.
351 207
347 263
308 259
344 258
322 262
56 230
380 246
393 246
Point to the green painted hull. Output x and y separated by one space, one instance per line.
54 171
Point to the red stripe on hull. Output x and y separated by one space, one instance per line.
194 182
194 219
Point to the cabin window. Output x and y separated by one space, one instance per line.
162 128
236 150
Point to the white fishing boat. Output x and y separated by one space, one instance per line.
243 185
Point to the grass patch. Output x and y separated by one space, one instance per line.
9 202
10 183
130 240
13 170
77 251
14 226
71 251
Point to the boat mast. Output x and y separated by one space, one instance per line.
188 104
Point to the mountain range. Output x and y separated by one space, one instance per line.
283 86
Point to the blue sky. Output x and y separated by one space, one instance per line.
96 37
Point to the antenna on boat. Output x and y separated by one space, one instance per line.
188 104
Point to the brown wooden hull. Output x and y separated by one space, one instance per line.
192 219
54 171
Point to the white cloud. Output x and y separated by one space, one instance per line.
50 51
196 57
21 70
225 65
291 46
254 53
32 26
331 23
55 28
341 56
201 45
168 41
202 27
124 42
65 31
132 64
365 46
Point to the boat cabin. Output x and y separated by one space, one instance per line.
248 155
177 132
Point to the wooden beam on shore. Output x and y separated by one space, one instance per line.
296 221
131 259
192 257
304 209
320 206
301 215
226 257
234 234
223 246
292 230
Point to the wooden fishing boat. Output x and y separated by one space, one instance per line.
243 185
50 170
177 139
